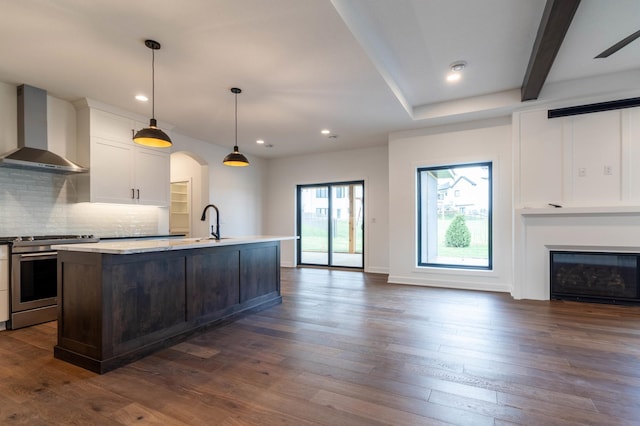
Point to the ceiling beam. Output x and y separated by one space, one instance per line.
556 18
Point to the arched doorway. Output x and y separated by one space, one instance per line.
189 194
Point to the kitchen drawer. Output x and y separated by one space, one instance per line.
4 275
4 305
4 268
4 283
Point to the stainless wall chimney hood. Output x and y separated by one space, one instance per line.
32 150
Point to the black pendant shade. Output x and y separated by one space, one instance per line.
152 135
236 159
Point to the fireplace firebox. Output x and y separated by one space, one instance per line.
595 277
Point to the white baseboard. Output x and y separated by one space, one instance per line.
459 285
377 270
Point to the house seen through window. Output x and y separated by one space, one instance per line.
454 216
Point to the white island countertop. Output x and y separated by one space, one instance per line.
164 244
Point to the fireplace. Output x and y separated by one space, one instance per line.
595 277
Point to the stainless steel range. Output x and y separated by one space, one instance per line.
34 277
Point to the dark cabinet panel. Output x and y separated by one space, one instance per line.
147 296
79 303
259 271
214 282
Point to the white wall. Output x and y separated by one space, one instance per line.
8 117
581 160
370 165
465 143
236 191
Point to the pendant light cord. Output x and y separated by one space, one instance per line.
153 83
236 121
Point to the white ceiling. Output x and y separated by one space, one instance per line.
362 68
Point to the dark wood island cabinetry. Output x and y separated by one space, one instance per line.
116 308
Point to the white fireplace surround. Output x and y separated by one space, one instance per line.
613 229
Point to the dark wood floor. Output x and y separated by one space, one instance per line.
345 348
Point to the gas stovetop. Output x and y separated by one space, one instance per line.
39 240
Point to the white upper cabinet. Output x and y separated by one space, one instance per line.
112 172
152 181
120 171
111 126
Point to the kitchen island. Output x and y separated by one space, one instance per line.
119 301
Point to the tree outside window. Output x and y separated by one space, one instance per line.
454 216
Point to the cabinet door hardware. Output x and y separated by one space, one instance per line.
133 193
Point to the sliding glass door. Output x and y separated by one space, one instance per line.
331 224
313 225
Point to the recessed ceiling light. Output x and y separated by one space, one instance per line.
142 98
456 71
260 142
325 131
458 66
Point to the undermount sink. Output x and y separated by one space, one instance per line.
199 239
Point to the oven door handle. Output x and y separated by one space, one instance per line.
51 254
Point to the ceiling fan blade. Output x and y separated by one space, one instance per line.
619 45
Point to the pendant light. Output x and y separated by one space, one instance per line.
235 158
152 135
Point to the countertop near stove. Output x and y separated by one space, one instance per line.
142 237
168 244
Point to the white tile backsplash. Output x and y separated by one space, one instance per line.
40 203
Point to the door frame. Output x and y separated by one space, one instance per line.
330 186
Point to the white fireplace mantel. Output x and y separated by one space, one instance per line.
579 211
539 230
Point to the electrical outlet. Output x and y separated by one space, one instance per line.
608 170
582 172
